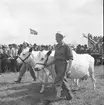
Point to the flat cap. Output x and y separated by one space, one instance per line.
60 34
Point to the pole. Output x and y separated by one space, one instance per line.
85 37
29 39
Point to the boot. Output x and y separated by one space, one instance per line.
34 79
18 81
68 92
69 95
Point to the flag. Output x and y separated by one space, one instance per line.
33 32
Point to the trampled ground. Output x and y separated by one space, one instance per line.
27 92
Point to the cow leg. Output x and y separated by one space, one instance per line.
38 76
44 78
41 79
91 73
71 83
93 79
43 88
72 80
77 84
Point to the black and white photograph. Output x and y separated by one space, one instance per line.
51 52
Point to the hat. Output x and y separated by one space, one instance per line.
60 34
5 46
25 43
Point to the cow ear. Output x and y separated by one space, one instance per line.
49 52
30 50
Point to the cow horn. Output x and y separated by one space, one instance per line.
49 52
30 50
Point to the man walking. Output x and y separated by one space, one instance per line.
24 67
63 54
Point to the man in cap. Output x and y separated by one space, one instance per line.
63 54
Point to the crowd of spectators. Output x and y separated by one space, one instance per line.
79 48
13 50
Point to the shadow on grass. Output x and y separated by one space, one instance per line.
24 92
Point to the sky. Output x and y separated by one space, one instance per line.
70 17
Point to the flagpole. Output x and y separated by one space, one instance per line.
32 31
29 39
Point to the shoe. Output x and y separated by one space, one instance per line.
67 91
18 81
46 102
69 95
34 79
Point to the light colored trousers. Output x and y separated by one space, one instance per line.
23 69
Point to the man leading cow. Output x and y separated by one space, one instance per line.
63 54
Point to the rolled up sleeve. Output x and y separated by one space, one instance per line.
69 53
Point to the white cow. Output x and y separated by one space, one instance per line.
82 65
29 56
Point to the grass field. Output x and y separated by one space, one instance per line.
27 92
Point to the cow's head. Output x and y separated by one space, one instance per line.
42 59
24 56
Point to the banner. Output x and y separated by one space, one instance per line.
91 42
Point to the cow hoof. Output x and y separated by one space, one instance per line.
94 88
18 81
41 91
34 80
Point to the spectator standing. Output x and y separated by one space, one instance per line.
1 53
24 67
